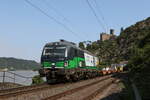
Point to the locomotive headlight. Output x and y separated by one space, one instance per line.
53 63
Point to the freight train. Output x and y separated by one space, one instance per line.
64 61
113 68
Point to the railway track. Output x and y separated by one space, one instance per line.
98 91
38 92
23 88
8 93
67 94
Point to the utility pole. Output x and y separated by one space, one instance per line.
3 76
4 72
14 78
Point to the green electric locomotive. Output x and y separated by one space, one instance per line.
65 61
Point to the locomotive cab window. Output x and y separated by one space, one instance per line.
57 51
71 53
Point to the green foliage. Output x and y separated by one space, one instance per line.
128 44
105 50
133 45
132 37
89 47
81 45
37 80
139 65
141 56
18 64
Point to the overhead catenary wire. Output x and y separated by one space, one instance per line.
60 15
101 14
97 7
96 16
55 10
52 18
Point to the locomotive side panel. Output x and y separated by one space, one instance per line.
96 61
89 61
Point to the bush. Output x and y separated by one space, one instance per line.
37 80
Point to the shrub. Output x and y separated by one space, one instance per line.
37 80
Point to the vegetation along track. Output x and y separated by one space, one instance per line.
38 92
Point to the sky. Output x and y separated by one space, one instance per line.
24 30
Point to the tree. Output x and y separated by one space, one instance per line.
89 47
37 80
81 45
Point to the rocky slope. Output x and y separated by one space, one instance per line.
131 36
133 45
124 47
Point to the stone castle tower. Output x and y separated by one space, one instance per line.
105 36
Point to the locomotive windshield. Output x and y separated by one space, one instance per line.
57 51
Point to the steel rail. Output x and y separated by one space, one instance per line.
69 92
16 92
22 88
100 90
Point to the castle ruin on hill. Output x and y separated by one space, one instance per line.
105 36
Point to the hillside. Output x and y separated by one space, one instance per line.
139 61
132 45
18 64
131 37
124 46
